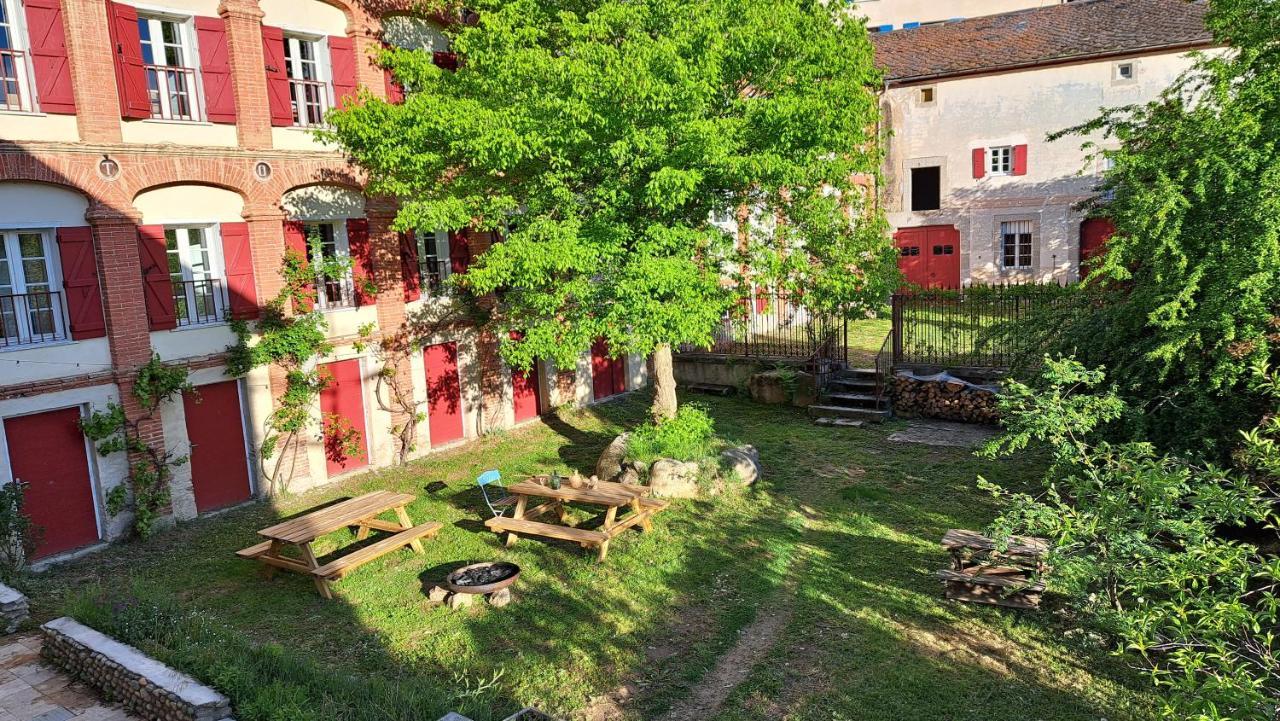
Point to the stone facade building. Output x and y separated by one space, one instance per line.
156 160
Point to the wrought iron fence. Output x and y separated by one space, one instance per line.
31 318
976 327
774 327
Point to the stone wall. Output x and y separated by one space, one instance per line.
13 608
124 674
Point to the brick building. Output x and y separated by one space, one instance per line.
156 161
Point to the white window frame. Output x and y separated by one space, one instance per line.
440 240
216 273
294 64
1021 261
191 58
1119 73
53 267
1000 160
341 249
23 73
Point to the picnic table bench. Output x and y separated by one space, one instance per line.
362 513
612 496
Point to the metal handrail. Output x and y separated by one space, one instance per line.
32 318
884 366
339 293
13 75
199 302
172 89
310 100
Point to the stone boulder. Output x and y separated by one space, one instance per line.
780 386
609 466
674 479
742 462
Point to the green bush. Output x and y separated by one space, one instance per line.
687 437
1138 547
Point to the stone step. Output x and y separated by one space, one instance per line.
838 422
854 399
855 374
710 389
864 414
852 383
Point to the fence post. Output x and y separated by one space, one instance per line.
895 329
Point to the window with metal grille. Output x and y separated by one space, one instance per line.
331 292
196 273
434 266
308 88
15 70
1016 243
169 63
30 306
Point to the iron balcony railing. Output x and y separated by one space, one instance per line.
13 73
199 302
32 318
434 275
332 294
310 100
173 92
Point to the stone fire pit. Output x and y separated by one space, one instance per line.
491 580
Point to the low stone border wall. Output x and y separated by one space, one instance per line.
124 674
13 608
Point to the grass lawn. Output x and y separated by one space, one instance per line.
816 587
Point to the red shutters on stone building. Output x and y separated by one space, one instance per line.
80 281
215 69
395 91
131 77
157 285
277 77
1019 160
459 252
49 56
979 162
409 267
342 62
238 262
1019 165
361 259
295 239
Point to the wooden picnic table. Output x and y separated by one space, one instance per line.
362 513
639 508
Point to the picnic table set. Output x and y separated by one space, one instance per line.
625 506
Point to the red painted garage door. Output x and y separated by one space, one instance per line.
47 452
608 375
929 256
342 409
444 393
524 387
215 427
1094 234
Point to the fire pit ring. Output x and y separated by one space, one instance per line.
482 578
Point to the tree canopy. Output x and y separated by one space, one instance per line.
600 136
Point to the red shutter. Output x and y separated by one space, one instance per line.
277 77
409 267
1019 160
80 281
131 78
157 286
295 239
215 68
459 252
362 259
395 91
342 61
237 259
49 56
446 60
979 162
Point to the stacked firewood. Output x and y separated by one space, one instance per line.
943 396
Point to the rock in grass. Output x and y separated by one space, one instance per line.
609 466
461 600
438 594
673 479
743 462
500 598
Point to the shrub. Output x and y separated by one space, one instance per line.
687 437
1137 548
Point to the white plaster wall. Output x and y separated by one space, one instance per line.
584 393
192 342
637 372
29 364
189 204
897 12
309 16
323 202
38 126
106 472
1010 109
298 139
174 132
258 406
35 205
346 322
173 418
406 31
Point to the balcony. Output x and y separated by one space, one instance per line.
199 302
172 91
13 73
310 99
31 319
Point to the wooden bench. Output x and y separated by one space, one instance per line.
255 550
339 567
581 536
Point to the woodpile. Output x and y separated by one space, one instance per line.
984 572
943 396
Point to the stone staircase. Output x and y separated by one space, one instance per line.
849 399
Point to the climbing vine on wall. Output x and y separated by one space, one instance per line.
151 467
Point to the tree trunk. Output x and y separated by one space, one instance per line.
664 398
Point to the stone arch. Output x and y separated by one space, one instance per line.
65 173
323 201
235 176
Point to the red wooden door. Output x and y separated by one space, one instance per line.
342 411
910 260
524 392
444 393
47 452
929 256
1094 234
215 427
608 375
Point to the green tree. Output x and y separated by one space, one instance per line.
1184 302
599 137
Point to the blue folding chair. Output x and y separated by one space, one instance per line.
492 481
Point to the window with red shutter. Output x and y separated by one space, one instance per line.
237 258
80 281
131 78
277 77
1019 160
459 252
409 267
361 251
157 283
295 240
979 162
215 70
342 65
47 41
